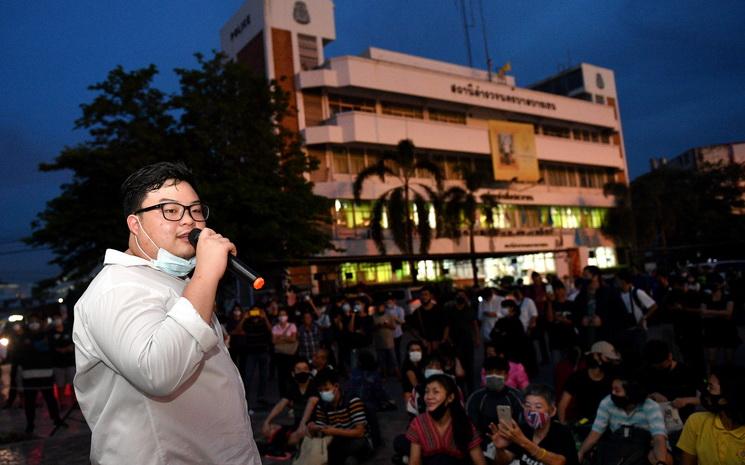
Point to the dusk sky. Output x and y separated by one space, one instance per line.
679 66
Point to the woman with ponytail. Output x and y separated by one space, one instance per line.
443 435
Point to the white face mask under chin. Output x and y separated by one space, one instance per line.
166 261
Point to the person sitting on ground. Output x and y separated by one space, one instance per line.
540 440
481 406
509 332
631 418
584 390
717 436
321 362
365 382
517 377
433 366
412 369
443 435
668 380
342 417
301 398
451 364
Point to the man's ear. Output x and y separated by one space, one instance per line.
133 224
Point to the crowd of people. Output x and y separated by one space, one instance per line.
41 355
629 368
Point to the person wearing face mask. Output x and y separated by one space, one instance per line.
284 338
154 379
301 397
63 356
584 390
412 368
443 435
36 364
343 418
539 440
626 423
717 436
383 340
234 327
671 383
398 315
481 406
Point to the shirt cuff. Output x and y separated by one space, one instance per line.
184 313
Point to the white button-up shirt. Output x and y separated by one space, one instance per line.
154 381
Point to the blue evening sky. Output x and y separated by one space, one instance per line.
680 70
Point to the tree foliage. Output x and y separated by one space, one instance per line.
686 208
462 206
677 212
397 202
225 124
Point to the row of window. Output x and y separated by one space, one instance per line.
349 215
353 160
342 103
556 174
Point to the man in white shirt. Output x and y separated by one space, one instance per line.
528 309
154 379
638 303
490 308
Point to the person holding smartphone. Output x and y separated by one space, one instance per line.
540 440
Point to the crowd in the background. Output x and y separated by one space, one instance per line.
629 368
626 368
41 355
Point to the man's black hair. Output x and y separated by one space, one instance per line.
732 385
541 390
496 364
593 270
326 376
150 178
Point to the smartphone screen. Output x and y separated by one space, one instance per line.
504 413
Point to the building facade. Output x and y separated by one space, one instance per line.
550 147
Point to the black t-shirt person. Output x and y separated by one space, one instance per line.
559 440
587 392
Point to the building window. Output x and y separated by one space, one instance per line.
340 104
341 162
556 131
356 160
308 51
600 99
401 109
447 116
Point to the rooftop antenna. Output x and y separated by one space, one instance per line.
465 29
486 46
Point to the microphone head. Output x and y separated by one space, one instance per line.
259 283
194 237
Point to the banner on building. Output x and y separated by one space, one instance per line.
513 151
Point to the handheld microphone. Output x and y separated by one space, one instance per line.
236 266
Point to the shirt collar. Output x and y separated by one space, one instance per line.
738 432
115 257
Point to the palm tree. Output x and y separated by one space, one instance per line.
461 205
397 201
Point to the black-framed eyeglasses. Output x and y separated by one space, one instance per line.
173 211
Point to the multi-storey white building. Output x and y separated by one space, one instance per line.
551 147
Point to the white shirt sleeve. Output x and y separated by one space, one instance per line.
645 299
154 348
530 307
